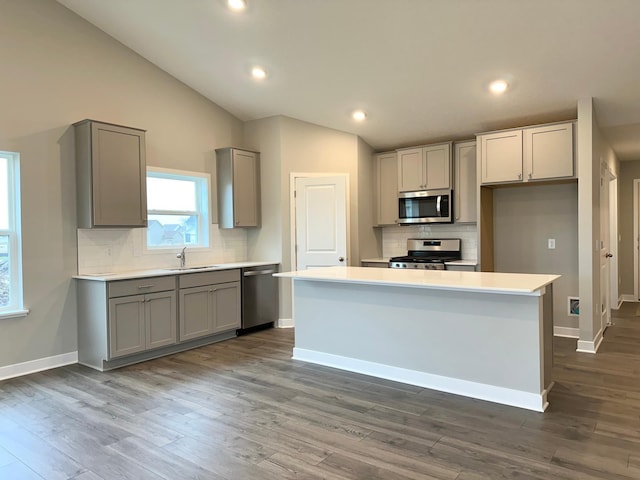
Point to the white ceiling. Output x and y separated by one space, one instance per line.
419 68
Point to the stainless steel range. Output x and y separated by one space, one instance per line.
428 253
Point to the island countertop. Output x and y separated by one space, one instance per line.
488 282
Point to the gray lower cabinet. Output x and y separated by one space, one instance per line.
209 303
462 268
141 322
120 318
380 264
126 321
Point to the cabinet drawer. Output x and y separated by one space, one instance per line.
137 286
199 279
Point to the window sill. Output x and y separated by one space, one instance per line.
14 314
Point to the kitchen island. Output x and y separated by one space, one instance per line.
482 335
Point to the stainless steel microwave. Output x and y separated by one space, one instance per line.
429 206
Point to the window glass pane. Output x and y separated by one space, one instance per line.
171 194
166 230
5 273
4 197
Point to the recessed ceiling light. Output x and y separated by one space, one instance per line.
258 73
237 5
359 115
498 87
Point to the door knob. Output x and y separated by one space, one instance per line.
609 255
341 259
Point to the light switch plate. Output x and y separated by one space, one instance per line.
551 243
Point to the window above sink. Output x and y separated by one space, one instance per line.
177 209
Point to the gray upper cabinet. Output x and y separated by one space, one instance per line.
464 190
386 188
238 178
110 175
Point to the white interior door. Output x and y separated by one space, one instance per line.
605 276
320 221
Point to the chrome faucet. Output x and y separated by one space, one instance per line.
183 257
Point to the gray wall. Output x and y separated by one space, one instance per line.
293 146
525 217
628 172
58 69
369 238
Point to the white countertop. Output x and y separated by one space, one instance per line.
110 276
486 282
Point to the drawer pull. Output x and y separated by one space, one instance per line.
146 286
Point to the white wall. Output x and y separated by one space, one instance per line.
593 151
58 69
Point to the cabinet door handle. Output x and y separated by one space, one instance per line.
145 286
519 176
529 175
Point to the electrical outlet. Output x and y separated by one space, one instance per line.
551 242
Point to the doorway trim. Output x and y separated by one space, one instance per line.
636 227
292 211
614 238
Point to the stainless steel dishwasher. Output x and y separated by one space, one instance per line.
259 298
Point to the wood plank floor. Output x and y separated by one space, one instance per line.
242 409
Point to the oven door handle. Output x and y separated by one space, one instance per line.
438 205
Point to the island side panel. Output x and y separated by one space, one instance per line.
547 325
491 339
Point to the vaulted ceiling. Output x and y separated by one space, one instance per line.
418 68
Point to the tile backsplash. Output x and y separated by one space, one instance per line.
121 250
394 239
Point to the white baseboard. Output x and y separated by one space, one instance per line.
284 323
590 346
33 366
628 298
566 332
491 393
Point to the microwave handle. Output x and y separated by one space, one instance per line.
438 204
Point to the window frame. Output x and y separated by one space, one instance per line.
203 212
15 308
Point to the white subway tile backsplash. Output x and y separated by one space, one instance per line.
118 250
394 239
